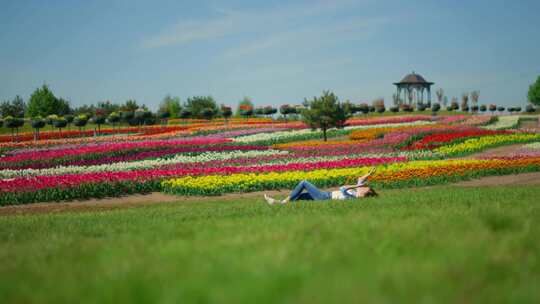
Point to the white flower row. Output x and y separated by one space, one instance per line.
534 145
314 159
504 122
287 134
142 164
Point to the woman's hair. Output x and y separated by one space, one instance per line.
371 192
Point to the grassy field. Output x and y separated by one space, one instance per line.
431 245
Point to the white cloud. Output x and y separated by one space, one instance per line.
313 36
273 24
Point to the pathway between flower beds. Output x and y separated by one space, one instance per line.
96 205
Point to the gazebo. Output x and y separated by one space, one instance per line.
412 87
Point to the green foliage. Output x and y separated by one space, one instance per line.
38 122
374 250
60 123
127 115
226 111
130 106
113 118
85 110
435 107
108 107
43 103
534 92
63 107
208 113
197 104
269 110
185 113
172 105
13 122
51 118
325 112
15 108
80 120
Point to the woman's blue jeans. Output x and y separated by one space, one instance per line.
312 192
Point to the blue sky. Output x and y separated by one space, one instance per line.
273 51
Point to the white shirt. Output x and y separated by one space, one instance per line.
340 194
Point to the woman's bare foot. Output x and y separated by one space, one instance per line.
269 200
286 200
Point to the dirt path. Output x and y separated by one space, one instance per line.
504 180
130 201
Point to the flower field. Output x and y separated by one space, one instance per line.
212 158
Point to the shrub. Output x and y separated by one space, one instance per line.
435 108
60 123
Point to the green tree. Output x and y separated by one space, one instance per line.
172 105
141 115
198 104
87 110
286 110
15 108
325 112
534 92
108 107
63 107
43 103
129 106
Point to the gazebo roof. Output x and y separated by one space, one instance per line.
414 78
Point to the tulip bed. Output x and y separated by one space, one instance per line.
413 173
239 156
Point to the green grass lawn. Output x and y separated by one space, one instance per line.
431 245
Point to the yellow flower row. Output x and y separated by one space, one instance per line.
477 144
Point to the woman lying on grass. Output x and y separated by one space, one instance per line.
313 193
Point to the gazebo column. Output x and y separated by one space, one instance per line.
429 95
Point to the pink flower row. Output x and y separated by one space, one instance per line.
386 120
109 147
236 133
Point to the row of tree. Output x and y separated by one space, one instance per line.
43 103
327 111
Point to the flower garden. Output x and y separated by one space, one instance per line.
213 158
